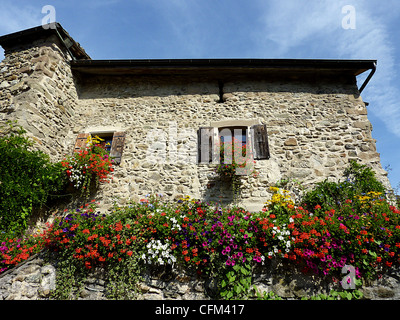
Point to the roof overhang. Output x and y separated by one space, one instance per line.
228 69
209 66
16 39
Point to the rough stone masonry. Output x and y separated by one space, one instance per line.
312 110
35 279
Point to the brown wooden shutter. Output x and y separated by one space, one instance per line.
260 141
81 141
117 146
205 145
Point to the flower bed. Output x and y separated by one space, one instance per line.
223 242
361 231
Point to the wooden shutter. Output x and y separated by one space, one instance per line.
205 145
260 141
117 146
81 141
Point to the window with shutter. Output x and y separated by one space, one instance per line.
113 142
260 142
210 138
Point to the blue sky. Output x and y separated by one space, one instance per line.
149 29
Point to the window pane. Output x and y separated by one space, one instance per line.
239 140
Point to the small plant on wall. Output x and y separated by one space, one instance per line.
234 163
88 167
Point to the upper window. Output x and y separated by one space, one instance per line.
232 139
253 139
113 142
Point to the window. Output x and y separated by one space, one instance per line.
255 137
231 139
113 142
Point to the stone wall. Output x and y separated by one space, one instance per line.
315 126
38 90
35 279
313 132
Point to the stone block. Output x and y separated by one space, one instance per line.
290 142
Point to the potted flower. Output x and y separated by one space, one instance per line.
88 167
234 163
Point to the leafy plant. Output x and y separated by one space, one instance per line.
358 180
28 179
337 295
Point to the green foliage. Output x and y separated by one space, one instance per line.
123 278
266 295
358 180
69 279
236 282
337 295
28 179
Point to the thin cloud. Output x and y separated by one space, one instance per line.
312 29
15 18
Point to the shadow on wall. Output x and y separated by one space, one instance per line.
122 87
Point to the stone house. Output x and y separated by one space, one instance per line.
164 119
